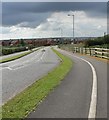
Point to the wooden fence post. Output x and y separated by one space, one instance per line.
85 51
90 51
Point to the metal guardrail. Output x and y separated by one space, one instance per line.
97 52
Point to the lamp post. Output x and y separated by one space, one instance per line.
61 32
73 24
61 35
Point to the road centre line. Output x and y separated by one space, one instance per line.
41 57
22 65
26 64
17 59
27 60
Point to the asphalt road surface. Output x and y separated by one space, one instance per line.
20 73
14 54
73 97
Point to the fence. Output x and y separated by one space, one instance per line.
97 52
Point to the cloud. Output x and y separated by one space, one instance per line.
24 19
32 14
84 26
43 19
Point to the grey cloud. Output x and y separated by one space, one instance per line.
31 19
34 13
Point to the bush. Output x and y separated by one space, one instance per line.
6 51
97 41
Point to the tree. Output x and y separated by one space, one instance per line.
22 42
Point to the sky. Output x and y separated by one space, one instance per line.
50 19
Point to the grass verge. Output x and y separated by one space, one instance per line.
15 57
21 105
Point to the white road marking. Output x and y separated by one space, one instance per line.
9 68
23 64
41 57
93 103
24 87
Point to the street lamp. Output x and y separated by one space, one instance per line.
61 35
61 32
73 24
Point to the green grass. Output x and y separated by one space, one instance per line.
21 105
15 57
0 112
70 47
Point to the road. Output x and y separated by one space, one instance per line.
20 73
14 54
73 97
